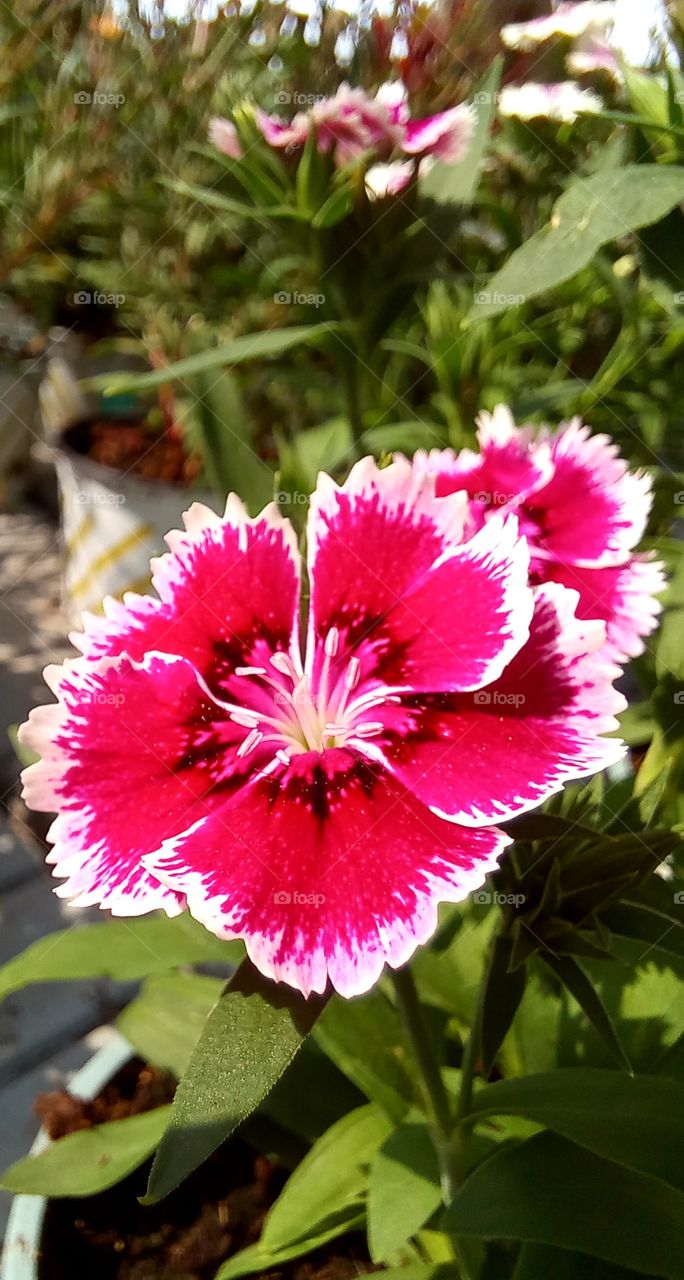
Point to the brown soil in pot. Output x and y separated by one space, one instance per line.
135 449
217 1212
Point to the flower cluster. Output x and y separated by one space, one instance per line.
319 798
588 25
580 508
351 125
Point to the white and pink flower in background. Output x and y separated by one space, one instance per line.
581 509
318 795
352 125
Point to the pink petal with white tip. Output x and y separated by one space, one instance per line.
415 609
445 136
279 133
224 136
330 871
594 509
486 756
623 596
229 597
130 754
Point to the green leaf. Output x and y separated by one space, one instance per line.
249 1038
549 1191
83 1163
457 183
503 992
330 1181
334 209
364 1038
592 212
221 431
572 975
251 346
403 1189
165 1022
117 949
258 1259
541 1262
637 1121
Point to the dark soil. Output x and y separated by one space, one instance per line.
135 448
217 1212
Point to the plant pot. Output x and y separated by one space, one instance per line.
24 1229
113 523
88 1235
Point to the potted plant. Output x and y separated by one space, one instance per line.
493 1044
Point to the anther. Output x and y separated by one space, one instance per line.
251 741
352 674
332 642
245 718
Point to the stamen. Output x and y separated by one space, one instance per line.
369 730
332 642
283 756
251 741
248 719
250 671
352 674
284 664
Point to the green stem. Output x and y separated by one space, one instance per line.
351 370
436 1098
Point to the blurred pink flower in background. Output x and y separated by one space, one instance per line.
581 508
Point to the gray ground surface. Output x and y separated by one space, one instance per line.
42 1028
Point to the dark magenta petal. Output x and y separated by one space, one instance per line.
486 756
130 755
229 597
328 869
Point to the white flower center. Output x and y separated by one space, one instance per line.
300 718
